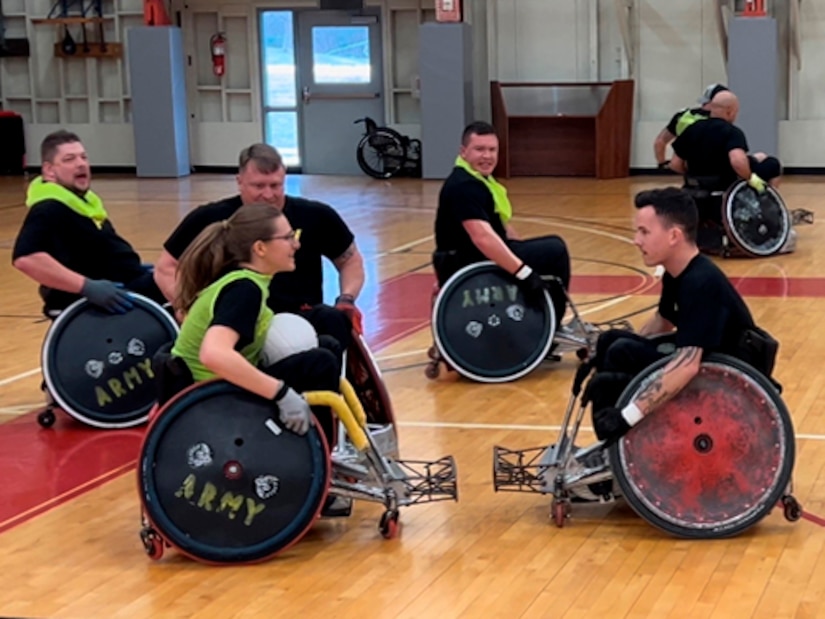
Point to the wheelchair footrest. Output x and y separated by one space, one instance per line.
519 470
427 481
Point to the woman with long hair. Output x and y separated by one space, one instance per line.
223 284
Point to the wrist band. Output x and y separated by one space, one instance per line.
632 415
345 298
281 392
523 272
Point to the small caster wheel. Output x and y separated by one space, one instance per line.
47 418
152 543
560 512
791 508
432 370
432 353
389 524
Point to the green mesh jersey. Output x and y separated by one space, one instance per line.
198 320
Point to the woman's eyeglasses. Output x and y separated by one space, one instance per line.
294 235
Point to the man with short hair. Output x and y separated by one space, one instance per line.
699 309
716 149
681 120
67 242
261 176
472 224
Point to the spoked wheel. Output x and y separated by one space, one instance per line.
758 224
381 154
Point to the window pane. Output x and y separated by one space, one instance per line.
282 133
341 55
279 59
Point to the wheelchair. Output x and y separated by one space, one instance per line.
97 367
710 463
739 221
235 487
483 328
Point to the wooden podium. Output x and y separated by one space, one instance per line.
565 129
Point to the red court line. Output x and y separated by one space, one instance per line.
43 468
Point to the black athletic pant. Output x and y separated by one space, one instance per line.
547 255
332 326
313 370
620 356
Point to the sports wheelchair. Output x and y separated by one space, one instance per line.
739 221
223 482
97 367
485 330
710 463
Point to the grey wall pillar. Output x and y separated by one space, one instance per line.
753 74
446 70
159 110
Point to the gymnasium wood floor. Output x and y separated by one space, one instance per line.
73 550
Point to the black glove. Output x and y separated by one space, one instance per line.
108 295
609 424
295 413
532 286
664 165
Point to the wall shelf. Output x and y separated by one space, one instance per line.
95 50
68 21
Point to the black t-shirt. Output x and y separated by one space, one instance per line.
705 148
237 307
76 242
674 121
323 233
463 198
705 308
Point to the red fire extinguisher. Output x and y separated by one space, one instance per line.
217 46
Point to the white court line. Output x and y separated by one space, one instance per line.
20 376
404 247
516 426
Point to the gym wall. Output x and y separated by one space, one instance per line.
674 53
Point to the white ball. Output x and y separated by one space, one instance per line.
288 334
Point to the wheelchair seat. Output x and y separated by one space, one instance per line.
97 367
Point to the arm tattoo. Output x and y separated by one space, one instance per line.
655 394
348 253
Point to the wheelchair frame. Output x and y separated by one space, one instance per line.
359 470
568 472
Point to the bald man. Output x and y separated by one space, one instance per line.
681 120
716 150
